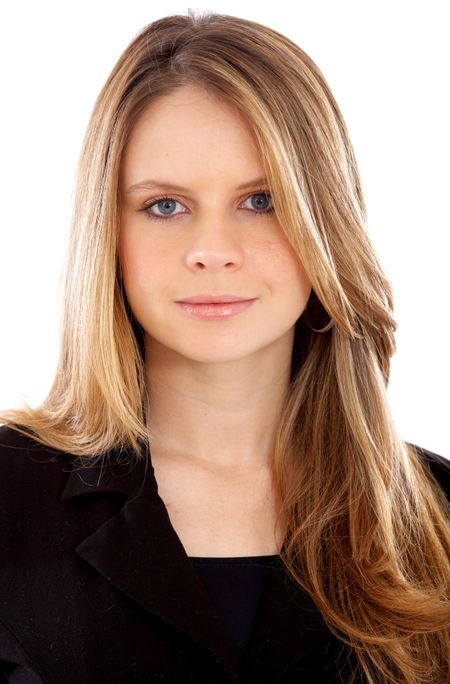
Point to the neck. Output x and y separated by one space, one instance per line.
219 415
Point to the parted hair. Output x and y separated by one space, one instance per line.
368 535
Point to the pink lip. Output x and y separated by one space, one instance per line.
213 299
215 311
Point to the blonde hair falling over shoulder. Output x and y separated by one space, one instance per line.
368 535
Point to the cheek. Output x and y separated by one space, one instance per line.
126 252
137 264
277 258
299 275
139 277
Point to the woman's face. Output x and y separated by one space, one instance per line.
189 228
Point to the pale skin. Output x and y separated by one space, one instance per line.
216 387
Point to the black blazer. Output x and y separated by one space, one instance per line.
96 586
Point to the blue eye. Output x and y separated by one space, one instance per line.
261 204
166 206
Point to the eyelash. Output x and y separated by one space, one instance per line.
146 207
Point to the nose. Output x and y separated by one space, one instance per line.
214 244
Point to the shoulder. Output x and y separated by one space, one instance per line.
437 465
28 467
17 447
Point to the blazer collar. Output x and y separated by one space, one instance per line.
165 582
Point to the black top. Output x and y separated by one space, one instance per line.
96 586
235 586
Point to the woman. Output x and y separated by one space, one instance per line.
214 489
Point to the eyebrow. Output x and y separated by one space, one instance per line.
169 187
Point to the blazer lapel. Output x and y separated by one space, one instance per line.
140 553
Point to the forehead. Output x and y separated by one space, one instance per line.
188 102
190 125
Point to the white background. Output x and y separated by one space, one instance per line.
387 63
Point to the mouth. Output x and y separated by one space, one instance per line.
214 308
213 299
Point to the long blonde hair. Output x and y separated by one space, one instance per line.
367 533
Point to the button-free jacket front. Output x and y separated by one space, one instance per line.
96 586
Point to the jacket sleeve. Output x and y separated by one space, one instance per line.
16 666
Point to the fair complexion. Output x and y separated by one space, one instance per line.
216 385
